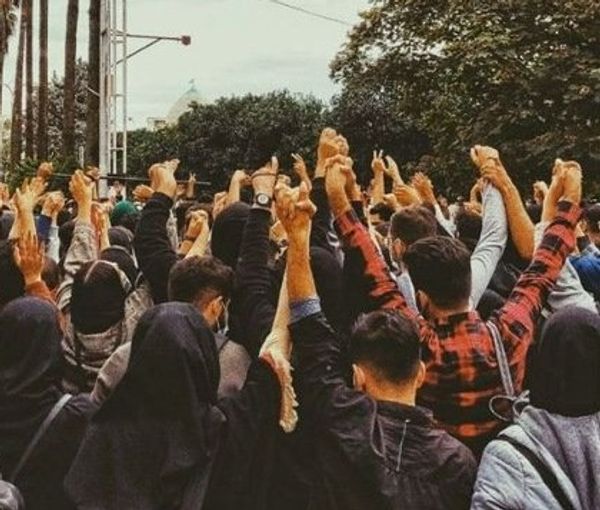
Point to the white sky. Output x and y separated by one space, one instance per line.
238 46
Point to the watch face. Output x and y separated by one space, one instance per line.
262 200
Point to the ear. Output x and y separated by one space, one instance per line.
398 249
420 379
422 302
359 379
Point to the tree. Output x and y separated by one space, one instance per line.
16 131
8 20
92 145
371 119
69 97
29 128
521 75
238 132
42 117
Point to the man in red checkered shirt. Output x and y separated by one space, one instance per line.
462 368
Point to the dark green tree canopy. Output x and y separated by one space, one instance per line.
522 75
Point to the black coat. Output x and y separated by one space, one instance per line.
372 454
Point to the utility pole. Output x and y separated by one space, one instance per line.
114 58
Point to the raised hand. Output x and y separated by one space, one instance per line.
162 177
80 188
294 210
328 147
220 201
407 195
540 190
487 160
45 170
393 171
301 170
264 179
424 187
143 193
28 255
25 197
572 175
377 163
53 204
198 225
4 195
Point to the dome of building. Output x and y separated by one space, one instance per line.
183 104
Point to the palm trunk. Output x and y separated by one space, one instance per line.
70 57
16 132
93 107
29 127
42 135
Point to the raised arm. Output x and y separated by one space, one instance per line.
518 317
153 248
84 245
253 277
519 223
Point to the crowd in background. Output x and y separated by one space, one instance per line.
300 341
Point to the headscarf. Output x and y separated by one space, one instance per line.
566 373
30 373
122 209
228 232
121 236
98 299
121 257
158 429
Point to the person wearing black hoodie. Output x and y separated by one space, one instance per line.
30 377
373 447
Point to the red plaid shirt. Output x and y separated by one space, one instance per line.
462 371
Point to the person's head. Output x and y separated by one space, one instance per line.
380 213
51 274
440 270
566 370
591 220
534 211
98 299
121 211
65 234
468 227
204 282
12 283
121 236
385 351
31 360
121 257
408 226
228 232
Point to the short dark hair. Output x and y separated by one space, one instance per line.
199 279
591 215
384 211
413 223
468 228
389 343
440 267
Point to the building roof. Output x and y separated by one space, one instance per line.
183 104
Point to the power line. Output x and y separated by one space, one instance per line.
311 13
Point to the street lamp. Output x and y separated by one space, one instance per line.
114 57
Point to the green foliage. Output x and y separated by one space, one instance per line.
522 75
214 140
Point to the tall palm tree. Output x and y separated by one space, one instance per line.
8 20
70 57
42 135
29 128
93 101
16 131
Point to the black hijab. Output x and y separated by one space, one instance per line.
566 373
159 427
30 373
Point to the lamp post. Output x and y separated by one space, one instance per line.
114 57
12 93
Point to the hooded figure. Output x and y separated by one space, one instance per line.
153 439
561 427
30 376
227 233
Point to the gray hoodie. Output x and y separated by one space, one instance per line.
569 447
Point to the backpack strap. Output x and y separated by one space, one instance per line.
505 374
38 435
546 474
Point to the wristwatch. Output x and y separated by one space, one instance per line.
263 200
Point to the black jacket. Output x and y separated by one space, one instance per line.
372 454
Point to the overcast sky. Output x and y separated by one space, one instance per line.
238 46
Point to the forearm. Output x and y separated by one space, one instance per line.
378 188
198 247
234 193
491 244
568 290
520 225
300 281
322 218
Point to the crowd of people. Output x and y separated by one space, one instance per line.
301 342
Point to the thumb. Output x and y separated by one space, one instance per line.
303 195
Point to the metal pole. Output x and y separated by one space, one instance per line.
125 97
104 160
